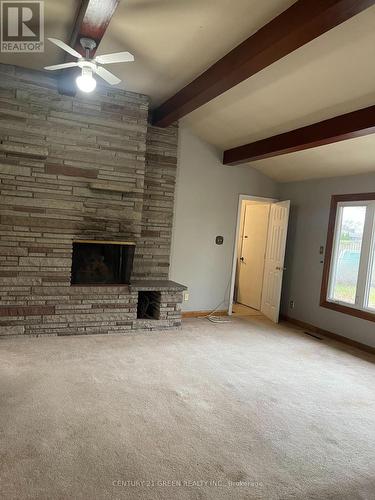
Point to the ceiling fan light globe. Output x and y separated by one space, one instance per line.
86 83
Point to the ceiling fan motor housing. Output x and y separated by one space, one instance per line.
88 43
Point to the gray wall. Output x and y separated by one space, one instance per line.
307 232
206 206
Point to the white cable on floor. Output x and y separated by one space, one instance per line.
219 319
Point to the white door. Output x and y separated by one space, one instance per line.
251 262
275 256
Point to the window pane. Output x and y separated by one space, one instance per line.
371 298
348 254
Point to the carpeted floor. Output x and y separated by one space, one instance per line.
235 411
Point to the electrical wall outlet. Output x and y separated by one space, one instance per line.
186 296
291 304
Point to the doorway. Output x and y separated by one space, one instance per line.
252 245
259 253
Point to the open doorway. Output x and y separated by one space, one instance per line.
252 244
259 253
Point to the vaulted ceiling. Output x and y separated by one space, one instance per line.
176 40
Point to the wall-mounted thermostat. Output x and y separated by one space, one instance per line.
219 240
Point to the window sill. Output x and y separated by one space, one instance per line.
351 311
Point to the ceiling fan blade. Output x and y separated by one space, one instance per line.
65 47
107 76
61 66
117 57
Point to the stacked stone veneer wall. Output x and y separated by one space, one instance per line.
87 167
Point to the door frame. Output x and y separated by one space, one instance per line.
241 198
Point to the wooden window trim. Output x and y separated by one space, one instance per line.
352 311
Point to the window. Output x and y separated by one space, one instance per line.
349 270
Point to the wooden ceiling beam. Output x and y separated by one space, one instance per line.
340 128
92 22
304 21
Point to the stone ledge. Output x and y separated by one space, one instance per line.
113 186
157 286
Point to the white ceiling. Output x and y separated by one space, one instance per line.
175 40
331 75
355 156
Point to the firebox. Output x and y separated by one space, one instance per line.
102 262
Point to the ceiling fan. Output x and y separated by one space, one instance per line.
90 66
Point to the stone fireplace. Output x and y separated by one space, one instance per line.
83 174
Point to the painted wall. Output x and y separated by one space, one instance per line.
307 232
206 206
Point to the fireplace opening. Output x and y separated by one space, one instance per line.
148 305
102 263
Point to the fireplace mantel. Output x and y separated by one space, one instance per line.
156 285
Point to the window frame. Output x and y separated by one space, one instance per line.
368 241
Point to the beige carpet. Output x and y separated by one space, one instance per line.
236 411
